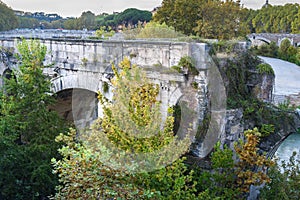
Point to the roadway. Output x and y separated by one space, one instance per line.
287 80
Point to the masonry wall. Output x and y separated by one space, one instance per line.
95 55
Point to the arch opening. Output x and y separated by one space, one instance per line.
78 106
262 40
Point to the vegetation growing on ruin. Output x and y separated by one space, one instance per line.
265 68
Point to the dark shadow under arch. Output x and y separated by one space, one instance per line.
79 106
261 39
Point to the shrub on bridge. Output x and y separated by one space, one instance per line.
265 68
104 164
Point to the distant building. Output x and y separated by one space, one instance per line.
266 4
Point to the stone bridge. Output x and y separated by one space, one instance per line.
258 39
79 68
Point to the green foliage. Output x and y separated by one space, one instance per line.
125 153
156 30
28 129
84 62
266 129
171 182
220 181
285 51
8 20
209 19
236 74
296 23
105 87
229 179
177 68
285 183
187 62
82 174
288 52
194 85
224 20
265 68
268 50
133 16
104 32
276 19
286 106
87 20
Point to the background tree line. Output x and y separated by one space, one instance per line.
90 21
207 19
227 19
8 19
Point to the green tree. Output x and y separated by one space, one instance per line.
8 20
209 19
284 182
229 178
27 22
87 20
180 14
288 52
72 24
296 23
133 16
125 153
276 19
104 32
220 182
28 129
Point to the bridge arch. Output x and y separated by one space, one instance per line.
81 80
262 39
281 39
76 94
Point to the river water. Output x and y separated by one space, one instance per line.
287 84
288 146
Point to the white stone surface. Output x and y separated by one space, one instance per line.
287 76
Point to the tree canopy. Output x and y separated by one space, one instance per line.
8 20
28 129
277 19
209 19
226 19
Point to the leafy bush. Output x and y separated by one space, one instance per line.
266 129
265 68
157 30
104 32
189 63
285 51
284 185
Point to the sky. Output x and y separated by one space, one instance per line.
74 8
